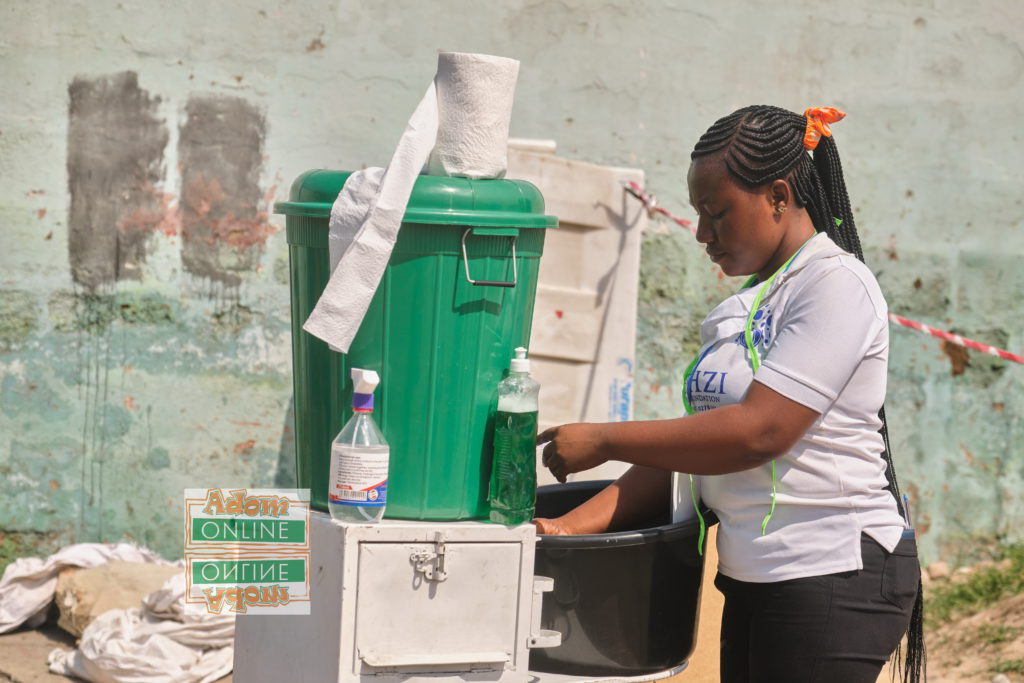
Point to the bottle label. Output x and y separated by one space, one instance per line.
359 476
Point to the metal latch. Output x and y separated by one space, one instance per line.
431 564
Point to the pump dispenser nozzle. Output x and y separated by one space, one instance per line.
520 363
365 382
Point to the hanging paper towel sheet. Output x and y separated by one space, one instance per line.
460 128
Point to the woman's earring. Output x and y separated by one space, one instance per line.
781 208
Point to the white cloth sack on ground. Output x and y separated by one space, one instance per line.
461 128
28 583
157 643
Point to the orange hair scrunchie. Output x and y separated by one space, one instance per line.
818 119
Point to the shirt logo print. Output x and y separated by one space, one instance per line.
760 329
705 388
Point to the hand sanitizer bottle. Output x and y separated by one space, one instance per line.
358 486
513 491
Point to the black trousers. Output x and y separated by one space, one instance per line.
837 628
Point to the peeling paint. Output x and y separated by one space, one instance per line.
980 369
165 219
31 397
18 318
245 448
958 357
317 43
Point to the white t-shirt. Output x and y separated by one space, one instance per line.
822 335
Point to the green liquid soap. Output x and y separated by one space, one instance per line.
513 492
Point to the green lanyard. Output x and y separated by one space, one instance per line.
755 363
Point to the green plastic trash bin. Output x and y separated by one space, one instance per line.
456 299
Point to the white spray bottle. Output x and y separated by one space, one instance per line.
358 486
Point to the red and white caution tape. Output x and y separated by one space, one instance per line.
955 338
651 204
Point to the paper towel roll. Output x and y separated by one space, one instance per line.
474 108
471 134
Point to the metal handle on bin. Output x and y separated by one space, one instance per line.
489 283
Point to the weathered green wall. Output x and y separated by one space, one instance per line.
144 311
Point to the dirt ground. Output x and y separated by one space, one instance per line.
977 647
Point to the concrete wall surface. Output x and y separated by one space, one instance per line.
144 343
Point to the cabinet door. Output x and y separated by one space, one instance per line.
408 622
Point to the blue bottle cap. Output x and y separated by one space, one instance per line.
362 402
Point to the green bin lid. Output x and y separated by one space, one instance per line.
435 200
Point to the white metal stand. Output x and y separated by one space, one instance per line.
401 602
404 601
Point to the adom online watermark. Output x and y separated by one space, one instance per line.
247 551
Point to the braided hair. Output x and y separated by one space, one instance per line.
760 144
763 143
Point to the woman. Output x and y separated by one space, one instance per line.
782 439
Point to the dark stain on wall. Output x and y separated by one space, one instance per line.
95 312
220 149
115 162
958 357
977 368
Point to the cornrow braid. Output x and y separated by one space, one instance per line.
761 144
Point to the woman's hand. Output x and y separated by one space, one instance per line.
637 495
572 448
552 527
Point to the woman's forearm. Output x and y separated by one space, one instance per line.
732 438
637 495
713 442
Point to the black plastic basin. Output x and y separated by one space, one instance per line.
626 603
